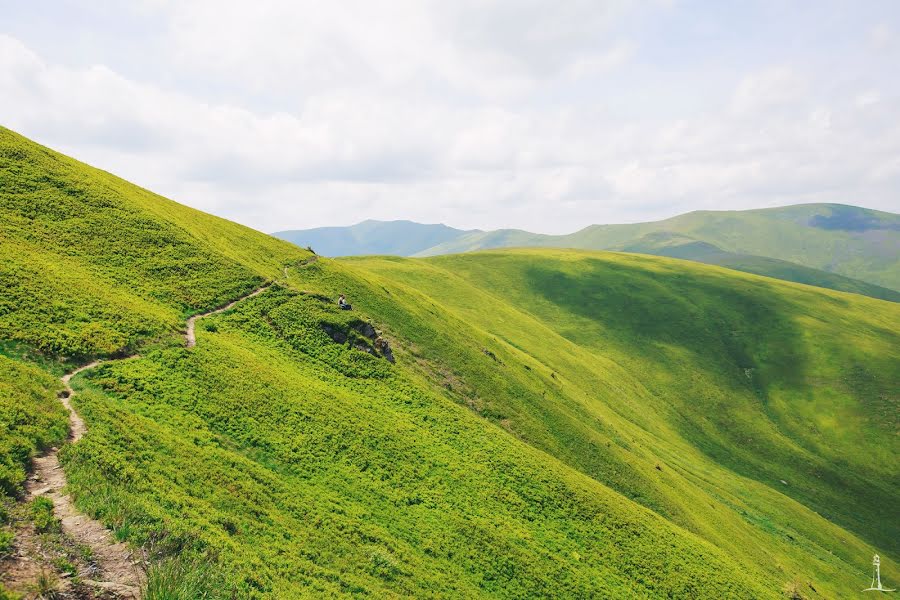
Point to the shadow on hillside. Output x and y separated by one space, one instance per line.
732 327
746 341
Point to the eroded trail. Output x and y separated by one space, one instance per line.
191 340
116 568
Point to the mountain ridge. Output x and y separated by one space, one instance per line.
834 246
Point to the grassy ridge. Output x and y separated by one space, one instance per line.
93 264
787 271
679 246
855 242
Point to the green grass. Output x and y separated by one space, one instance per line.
557 423
93 265
31 419
180 579
42 515
855 242
765 380
346 475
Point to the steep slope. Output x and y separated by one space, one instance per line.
403 238
269 458
93 264
856 242
556 424
620 364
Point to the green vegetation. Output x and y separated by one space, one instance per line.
788 271
180 579
31 419
7 595
349 476
856 242
811 243
6 543
93 265
42 515
557 423
793 384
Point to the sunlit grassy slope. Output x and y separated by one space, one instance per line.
557 424
93 264
618 363
856 242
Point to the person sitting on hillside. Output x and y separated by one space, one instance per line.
342 302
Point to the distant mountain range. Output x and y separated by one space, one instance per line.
835 246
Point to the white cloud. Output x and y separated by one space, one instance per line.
881 36
768 90
496 114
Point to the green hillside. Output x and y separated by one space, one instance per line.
556 423
837 247
855 242
678 246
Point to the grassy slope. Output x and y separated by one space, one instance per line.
788 271
301 466
680 246
314 469
305 467
93 264
855 242
656 361
31 419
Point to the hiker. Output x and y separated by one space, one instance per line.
342 302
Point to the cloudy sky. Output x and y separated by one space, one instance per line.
546 115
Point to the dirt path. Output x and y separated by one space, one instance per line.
115 570
189 336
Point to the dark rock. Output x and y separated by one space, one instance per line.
384 348
334 333
366 329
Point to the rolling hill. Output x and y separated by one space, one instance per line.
838 247
548 423
855 242
403 238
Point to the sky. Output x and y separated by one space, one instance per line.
545 115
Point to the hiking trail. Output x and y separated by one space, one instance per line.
116 568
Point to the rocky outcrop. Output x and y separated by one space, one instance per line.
384 348
363 336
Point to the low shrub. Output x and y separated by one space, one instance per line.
42 514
